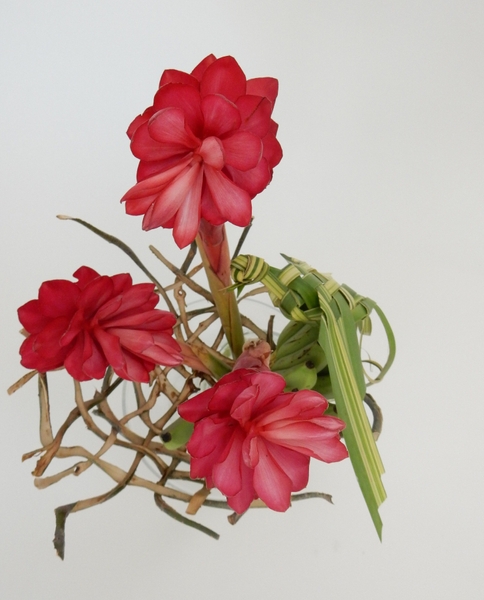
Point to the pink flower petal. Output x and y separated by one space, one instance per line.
148 169
309 439
294 465
241 409
187 220
212 152
153 320
58 297
221 116
161 355
84 351
209 436
139 120
305 404
122 283
256 114
242 150
135 369
48 341
253 181
224 395
233 202
202 66
184 97
74 359
227 474
272 150
94 367
140 206
156 184
210 212
85 275
75 327
134 340
167 127
182 189
224 77
30 359
142 344
263 86
112 350
31 317
196 408
241 501
166 341
138 298
270 385
330 423
174 76
271 484
146 147
95 294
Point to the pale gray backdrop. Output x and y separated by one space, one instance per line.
381 121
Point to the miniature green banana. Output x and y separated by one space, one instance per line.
299 378
323 385
297 350
291 360
316 357
293 328
295 340
177 434
302 337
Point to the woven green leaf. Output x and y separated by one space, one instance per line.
307 296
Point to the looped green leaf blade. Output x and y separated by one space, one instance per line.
341 313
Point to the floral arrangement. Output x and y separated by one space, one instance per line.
223 403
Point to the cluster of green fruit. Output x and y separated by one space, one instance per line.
299 358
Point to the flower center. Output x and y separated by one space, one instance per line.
212 152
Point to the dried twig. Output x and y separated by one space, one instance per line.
127 250
377 415
242 239
189 258
171 512
182 276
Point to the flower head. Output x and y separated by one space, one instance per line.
96 322
206 146
252 440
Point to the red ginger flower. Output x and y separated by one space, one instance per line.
97 322
251 440
207 146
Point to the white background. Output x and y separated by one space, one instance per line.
381 122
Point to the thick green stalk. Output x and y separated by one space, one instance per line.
214 250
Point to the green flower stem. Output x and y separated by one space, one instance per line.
214 250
